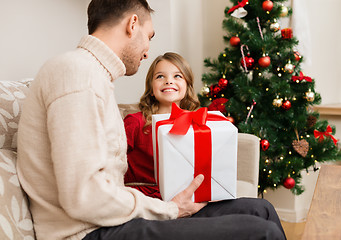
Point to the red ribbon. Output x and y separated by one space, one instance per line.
301 77
240 4
182 120
328 133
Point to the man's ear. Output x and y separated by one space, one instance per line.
132 24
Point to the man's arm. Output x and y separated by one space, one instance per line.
88 185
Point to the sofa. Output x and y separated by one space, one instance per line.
15 218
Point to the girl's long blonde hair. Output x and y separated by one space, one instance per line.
148 103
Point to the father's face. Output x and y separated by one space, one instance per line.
137 49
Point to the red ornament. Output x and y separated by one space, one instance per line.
249 61
267 5
215 89
264 144
264 61
286 33
218 105
235 41
289 183
286 105
223 82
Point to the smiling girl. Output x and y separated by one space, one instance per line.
169 79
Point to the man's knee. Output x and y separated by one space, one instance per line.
272 231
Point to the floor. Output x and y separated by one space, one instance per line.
293 231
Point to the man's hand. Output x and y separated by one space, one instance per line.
184 199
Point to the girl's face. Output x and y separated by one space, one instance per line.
169 84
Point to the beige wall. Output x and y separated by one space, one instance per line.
33 31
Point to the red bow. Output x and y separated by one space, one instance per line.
301 77
240 4
183 119
327 133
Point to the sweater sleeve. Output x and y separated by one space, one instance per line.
87 189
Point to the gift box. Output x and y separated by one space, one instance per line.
186 144
286 33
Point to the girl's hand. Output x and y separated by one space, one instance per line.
184 199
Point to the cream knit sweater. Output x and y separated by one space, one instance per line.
72 148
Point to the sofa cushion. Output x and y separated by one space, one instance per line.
15 218
12 94
126 109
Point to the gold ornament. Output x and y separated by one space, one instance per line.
289 67
310 96
284 11
205 90
277 102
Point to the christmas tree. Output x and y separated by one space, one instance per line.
258 83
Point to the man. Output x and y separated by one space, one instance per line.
72 148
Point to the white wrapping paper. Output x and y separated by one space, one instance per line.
176 159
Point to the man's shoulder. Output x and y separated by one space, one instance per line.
71 59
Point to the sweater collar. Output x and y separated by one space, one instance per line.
107 58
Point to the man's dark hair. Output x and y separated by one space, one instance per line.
110 12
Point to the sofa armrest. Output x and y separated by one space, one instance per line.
247 165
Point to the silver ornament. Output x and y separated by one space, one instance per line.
289 67
275 27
